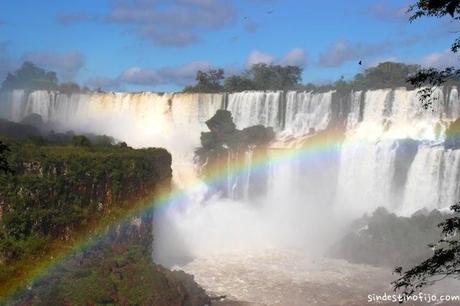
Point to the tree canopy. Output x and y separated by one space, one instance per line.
210 81
275 77
258 77
30 77
386 74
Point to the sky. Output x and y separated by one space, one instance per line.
159 45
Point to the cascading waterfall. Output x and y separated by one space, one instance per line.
392 155
252 108
306 112
378 125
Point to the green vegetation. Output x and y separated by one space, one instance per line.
62 194
209 82
384 75
258 77
81 141
276 77
58 187
115 276
59 191
3 158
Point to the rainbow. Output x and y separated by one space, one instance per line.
322 144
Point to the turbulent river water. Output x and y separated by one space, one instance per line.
267 251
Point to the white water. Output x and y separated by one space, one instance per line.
303 191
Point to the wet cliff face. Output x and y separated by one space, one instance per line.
226 149
58 189
62 194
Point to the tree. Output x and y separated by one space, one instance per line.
238 83
4 149
431 76
445 261
385 75
81 141
30 77
275 77
210 81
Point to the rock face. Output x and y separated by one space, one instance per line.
61 194
225 149
387 240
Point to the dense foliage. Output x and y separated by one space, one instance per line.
258 77
210 81
56 190
124 275
275 77
3 158
384 75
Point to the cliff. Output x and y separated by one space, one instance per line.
62 195
226 148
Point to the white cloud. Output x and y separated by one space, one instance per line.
383 12
440 60
66 65
174 22
178 75
295 57
258 57
342 51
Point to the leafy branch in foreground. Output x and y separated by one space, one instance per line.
444 263
434 8
431 78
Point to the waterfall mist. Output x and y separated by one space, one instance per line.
391 147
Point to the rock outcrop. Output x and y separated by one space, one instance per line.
386 240
225 149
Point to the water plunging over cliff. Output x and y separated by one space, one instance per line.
391 155
391 146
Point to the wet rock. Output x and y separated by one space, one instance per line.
227 149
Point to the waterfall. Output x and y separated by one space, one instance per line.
306 111
252 108
392 154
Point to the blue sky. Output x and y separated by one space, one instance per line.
160 44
